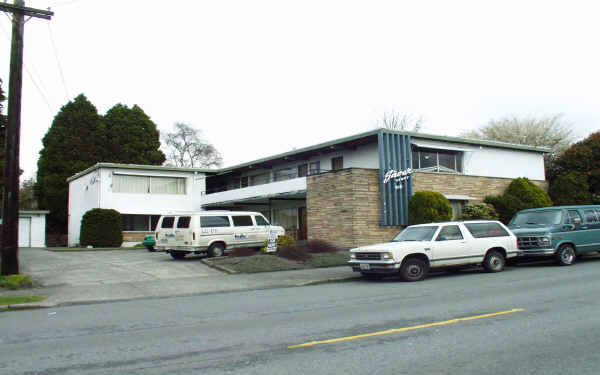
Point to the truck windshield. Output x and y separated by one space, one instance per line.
549 217
416 234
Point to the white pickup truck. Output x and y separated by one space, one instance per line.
452 244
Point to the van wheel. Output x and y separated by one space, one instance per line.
413 269
494 261
177 255
565 255
216 250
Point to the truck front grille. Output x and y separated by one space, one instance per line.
530 242
368 256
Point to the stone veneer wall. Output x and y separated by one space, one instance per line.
474 186
134 236
344 208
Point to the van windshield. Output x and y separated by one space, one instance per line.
548 217
416 234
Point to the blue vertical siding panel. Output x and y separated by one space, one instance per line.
394 153
380 147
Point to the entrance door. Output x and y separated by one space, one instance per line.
24 232
302 216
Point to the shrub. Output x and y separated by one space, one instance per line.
571 189
101 228
242 252
139 245
428 207
294 252
483 211
16 281
519 195
320 246
283 240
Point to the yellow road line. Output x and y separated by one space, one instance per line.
412 328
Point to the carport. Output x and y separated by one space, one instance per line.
32 228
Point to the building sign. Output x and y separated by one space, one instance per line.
272 244
395 177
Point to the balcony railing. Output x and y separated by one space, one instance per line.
264 190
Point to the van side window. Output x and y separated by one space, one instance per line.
483 230
168 222
573 217
261 220
591 216
183 222
214 221
242 221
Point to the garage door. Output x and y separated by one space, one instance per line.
24 232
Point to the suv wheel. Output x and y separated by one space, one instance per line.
494 261
413 269
565 255
216 250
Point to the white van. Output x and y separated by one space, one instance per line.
212 232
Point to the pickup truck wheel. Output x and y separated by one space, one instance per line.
177 255
494 261
216 250
413 269
565 255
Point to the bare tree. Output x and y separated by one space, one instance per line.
185 148
395 120
551 131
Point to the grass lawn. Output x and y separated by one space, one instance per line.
271 262
18 300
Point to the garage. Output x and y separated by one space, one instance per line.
32 228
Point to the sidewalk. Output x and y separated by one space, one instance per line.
68 294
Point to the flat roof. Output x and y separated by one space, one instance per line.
139 166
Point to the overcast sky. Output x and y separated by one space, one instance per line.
264 77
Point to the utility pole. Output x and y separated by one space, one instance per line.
10 227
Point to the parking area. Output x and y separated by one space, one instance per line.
107 267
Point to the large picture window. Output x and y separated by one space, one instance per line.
441 161
148 184
139 223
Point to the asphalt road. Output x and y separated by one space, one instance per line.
548 323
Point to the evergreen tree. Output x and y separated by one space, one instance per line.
73 143
584 157
132 137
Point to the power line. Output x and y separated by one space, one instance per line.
60 69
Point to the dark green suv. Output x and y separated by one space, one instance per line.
149 242
562 231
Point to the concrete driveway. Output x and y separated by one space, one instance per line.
108 267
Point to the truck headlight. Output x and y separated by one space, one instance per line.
387 256
545 241
352 256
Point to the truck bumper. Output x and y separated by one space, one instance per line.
380 268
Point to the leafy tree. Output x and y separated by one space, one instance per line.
483 211
27 200
584 157
519 195
570 189
186 149
551 132
394 120
428 207
132 138
73 143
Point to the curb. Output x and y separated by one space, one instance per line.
220 268
27 306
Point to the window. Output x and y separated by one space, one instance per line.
441 161
573 217
449 233
284 174
168 222
139 223
483 230
591 216
214 221
244 181
416 234
184 222
286 217
337 163
148 184
259 179
242 221
314 167
261 220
